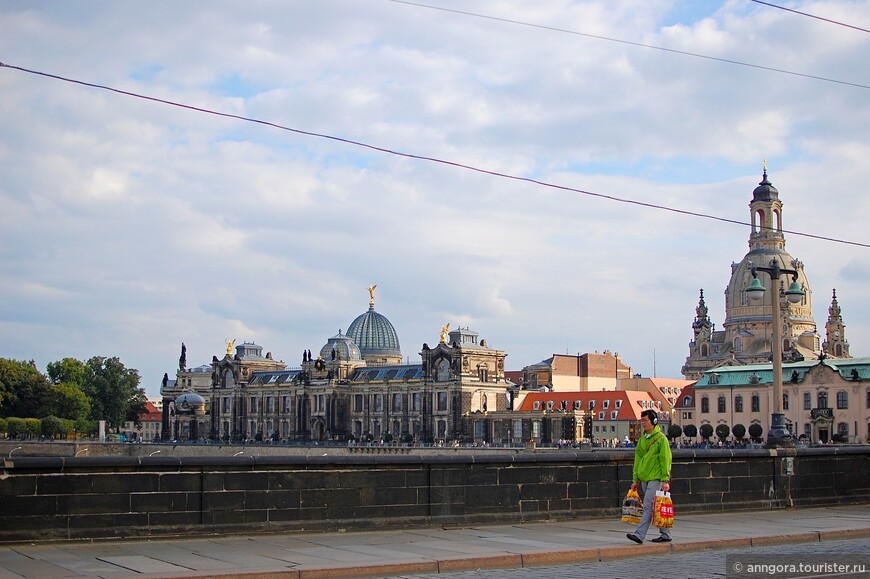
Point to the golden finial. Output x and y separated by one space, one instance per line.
444 333
372 295
764 164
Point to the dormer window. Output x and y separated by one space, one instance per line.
606 404
536 405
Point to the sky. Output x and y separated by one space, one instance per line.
441 155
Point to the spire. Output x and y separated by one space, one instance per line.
702 317
834 312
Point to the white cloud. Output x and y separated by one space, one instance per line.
129 226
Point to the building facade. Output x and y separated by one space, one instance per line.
747 332
354 388
823 399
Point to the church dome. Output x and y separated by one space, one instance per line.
765 190
344 347
189 402
374 335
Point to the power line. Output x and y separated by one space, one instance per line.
420 157
810 15
632 43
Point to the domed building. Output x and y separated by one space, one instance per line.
375 336
748 330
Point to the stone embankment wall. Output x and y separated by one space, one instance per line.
75 498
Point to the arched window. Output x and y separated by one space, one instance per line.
842 400
738 344
808 401
704 350
756 403
785 400
722 403
843 429
705 405
822 400
738 403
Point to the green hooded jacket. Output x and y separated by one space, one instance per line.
652 457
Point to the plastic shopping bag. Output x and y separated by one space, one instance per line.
663 512
632 507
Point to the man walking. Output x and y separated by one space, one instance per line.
652 472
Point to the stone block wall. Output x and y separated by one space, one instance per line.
62 498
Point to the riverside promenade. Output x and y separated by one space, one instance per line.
432 550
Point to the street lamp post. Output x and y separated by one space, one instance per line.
778 434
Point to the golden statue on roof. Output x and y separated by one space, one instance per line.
230 345
444 333
372 295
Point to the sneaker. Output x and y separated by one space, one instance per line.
661 540
635 538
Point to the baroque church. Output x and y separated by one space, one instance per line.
825 391
747 331
354 388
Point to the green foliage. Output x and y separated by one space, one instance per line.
739 431
691 430
113 391
22 388
32 426
53 427
16 428
674 431
755 431
67 400
68 371
722 431
3 426
706 431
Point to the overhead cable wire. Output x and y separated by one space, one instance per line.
637 44
810 15
421 157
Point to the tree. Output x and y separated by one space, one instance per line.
114 391
739 431
691 430
67 400
674 431
706 431
15 427
69 371
755 431
22 388
722 431
52 427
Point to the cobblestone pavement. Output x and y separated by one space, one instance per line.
697 565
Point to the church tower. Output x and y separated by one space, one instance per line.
835 344
747 331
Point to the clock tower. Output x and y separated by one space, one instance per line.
835 344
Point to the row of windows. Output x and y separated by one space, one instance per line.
270 403
821 402
578 404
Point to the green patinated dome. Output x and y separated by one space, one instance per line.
374 335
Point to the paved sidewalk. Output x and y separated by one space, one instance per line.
426 550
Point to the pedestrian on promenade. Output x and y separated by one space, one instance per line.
651 473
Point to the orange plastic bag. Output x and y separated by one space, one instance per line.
663 512
632 507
